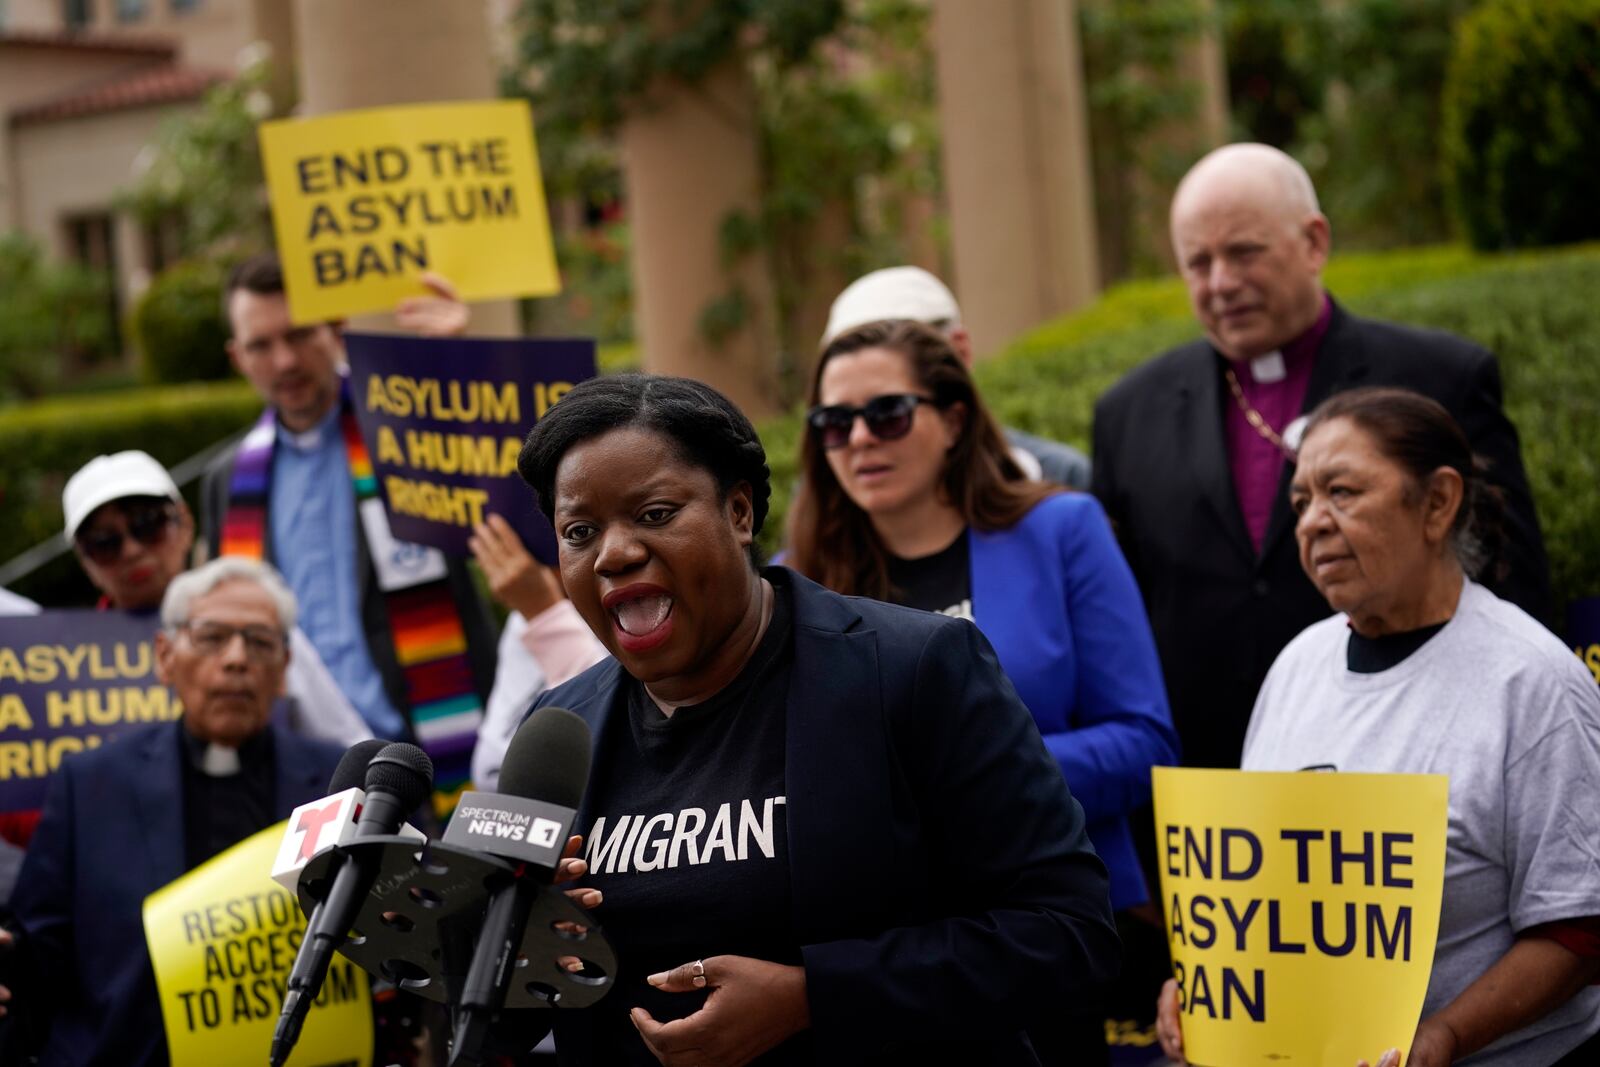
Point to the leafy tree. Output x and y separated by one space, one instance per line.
204 171
1523 108
845 105
1352 90
48 312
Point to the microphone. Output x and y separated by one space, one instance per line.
398 778
541 785
352 769
321 824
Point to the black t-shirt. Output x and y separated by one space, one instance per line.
1373 655
689 839
941 582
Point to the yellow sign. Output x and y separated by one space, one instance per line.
222 939
364 201
1301 909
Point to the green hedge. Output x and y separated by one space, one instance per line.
1537 311
1521 110
42 444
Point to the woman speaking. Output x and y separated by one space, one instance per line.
1427 672
825 829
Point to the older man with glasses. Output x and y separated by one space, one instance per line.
133 534
125 819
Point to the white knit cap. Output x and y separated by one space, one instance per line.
892 293
107 478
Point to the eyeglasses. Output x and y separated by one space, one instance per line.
888 418
261 643
147 524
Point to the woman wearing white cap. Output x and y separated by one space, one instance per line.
132 534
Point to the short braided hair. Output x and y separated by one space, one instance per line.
706 428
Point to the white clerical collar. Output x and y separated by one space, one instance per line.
309 440
219 761
1268 368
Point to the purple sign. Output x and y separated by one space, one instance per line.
443 420
1583 632
71 680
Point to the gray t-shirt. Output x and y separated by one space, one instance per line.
1496 702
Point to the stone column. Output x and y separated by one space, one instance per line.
373 53
1016 163
691 159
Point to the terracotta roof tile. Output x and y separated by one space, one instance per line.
156 47
142 88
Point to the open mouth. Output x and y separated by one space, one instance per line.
641 615
874 470
639 618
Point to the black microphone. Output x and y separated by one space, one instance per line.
352 769
397 779
541 785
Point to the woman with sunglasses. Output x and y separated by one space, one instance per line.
911 495
132 534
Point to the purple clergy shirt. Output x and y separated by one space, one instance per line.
1256 462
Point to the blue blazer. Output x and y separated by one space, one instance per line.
945 892
1056 599
110 833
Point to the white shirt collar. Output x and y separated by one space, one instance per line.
312 439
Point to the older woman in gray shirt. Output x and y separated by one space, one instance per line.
1427 672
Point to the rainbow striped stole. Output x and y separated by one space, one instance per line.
430 643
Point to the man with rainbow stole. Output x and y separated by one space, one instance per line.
401 627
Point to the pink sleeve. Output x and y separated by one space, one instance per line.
560 641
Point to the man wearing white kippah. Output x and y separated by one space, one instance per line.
912 293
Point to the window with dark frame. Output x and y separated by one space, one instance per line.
92 243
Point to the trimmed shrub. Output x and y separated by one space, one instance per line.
178 328
1522 107
1536 311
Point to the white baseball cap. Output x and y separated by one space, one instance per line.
107 478
892 293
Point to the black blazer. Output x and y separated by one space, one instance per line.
1220 613
481 641
111 832
945 892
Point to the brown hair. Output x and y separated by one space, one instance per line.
1419 436
831 540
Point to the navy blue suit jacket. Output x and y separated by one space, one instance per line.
111 833
945 891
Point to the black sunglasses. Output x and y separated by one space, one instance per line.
888 417
147 524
